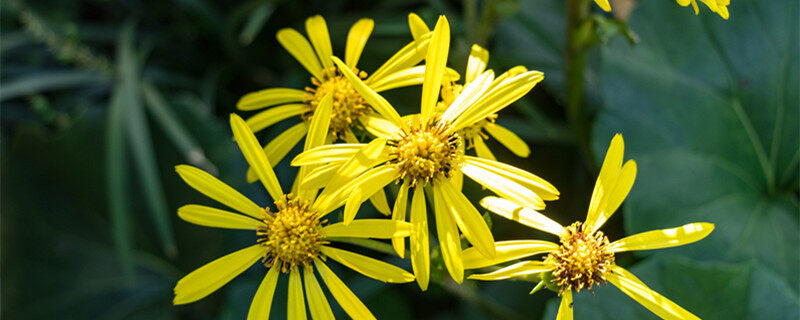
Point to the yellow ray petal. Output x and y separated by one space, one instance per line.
362 187
476 64
449 241
497 98
405 58
614 198
327 153
528 217
604 5
301 50
212 217
347 300
362 160
409 77
317 303
481 149
317 32
296 306
503 187
513 72
420 254
262 301
506 251
399 214
367 266
565 308
468 96
435 62
320 176
356 40
317 133
214 275
378 200
543 189
380 127
271 116
375 100
277 149
664 238
218 190
369 228
518 269
509 139
469 220
606 179
270 97
417 26
255 156
653 301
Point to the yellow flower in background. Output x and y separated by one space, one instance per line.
425 151
718 6
585 257
293 239
348 106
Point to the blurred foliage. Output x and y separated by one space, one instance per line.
100 99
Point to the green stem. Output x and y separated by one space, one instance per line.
574 68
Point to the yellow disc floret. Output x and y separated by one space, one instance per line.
582 259
348 105
292 234
426 152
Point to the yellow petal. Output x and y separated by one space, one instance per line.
664 238
271 116
262 301
356 40
449 241
417 26
214 275
399 214
468 96
420 254
476 64
369 228
270 97
378 200
320 176
606 180
513 72
543 189
565 308
528 217
317 303
506 251
468 218
347 300
212 217
218 190
518 269
375 100
362 187
409 77
277 149
367 266
380 127
604 5
255 156
435 62
300 49
405 58
653 301
509 139
621 188
317 134
317 32
497 98
481 149
326 154
503 187
296 306
362 160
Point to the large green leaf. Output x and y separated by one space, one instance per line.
709 109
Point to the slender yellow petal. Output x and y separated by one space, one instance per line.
518 269
380 127
218 190
255 156
214 275
301 50
360 161
213 217
497 98
320 176
468 96
565 308
606 180
262 301
271 116
367 266
296 306
379 201
327 153
623 185
417 26
355 192
356 40
481 149
506 251
317 32
503 187
279 147
317 133
509 139
347 300
317 303
664 238
476 64
369 228
420 254
513 72
409 77
653 301
373 98
541 187
270 97
399 214
606 7
449 241
468 219
526 216
405 58
435 62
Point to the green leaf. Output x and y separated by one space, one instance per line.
255 23
49 81
709 110
117 180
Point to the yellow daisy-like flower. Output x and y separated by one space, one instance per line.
349 107
425 151
718 6
291 239
585 256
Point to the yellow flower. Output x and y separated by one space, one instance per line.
425 151
718 6
348 106
584 255
291 239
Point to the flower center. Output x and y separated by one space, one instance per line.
582 259
348 105
292 235
426 152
